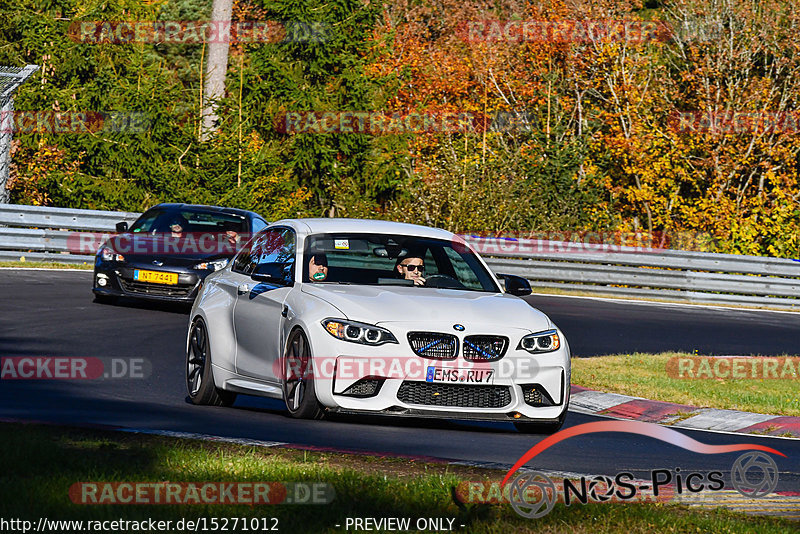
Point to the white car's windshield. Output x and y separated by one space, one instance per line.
379 259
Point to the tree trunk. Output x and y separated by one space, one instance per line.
216 66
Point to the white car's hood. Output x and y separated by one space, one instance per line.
386 304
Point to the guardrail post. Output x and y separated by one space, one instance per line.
6 121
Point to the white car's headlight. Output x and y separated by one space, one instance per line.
215 265
363 333
540 342
108 254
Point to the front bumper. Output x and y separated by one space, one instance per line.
510 417
504 400
523 387
119 282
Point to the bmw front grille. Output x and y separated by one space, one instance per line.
484 348
434 345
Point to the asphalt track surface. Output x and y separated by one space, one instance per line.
51 313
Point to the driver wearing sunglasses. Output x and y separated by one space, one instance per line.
412 268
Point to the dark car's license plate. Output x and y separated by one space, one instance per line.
155 277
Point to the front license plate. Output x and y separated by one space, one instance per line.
459 376
155 277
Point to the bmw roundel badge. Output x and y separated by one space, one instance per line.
459 327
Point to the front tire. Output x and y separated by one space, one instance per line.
298 380
199 377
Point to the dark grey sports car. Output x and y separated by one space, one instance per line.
170 249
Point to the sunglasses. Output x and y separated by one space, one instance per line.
413 266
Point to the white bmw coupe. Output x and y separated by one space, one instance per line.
375 317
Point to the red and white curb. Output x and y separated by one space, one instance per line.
588 401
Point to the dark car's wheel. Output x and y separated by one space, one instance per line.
199 378
542 428
298 379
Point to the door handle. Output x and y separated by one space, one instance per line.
243 288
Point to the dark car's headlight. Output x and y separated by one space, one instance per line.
363 333
108 254
215 265
540 342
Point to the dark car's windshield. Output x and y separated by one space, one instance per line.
379 259
163 220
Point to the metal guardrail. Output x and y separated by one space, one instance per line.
41 233
50 234
63 218
647 272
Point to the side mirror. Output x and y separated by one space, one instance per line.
516 285
122 227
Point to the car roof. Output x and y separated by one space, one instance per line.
372 226
203 207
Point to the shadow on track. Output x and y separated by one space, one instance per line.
264 405
141 304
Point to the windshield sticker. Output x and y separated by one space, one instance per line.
341 244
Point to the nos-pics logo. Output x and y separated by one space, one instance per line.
754 474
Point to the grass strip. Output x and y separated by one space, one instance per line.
42 462
645 375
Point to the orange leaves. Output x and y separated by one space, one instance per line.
26 179
617 100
